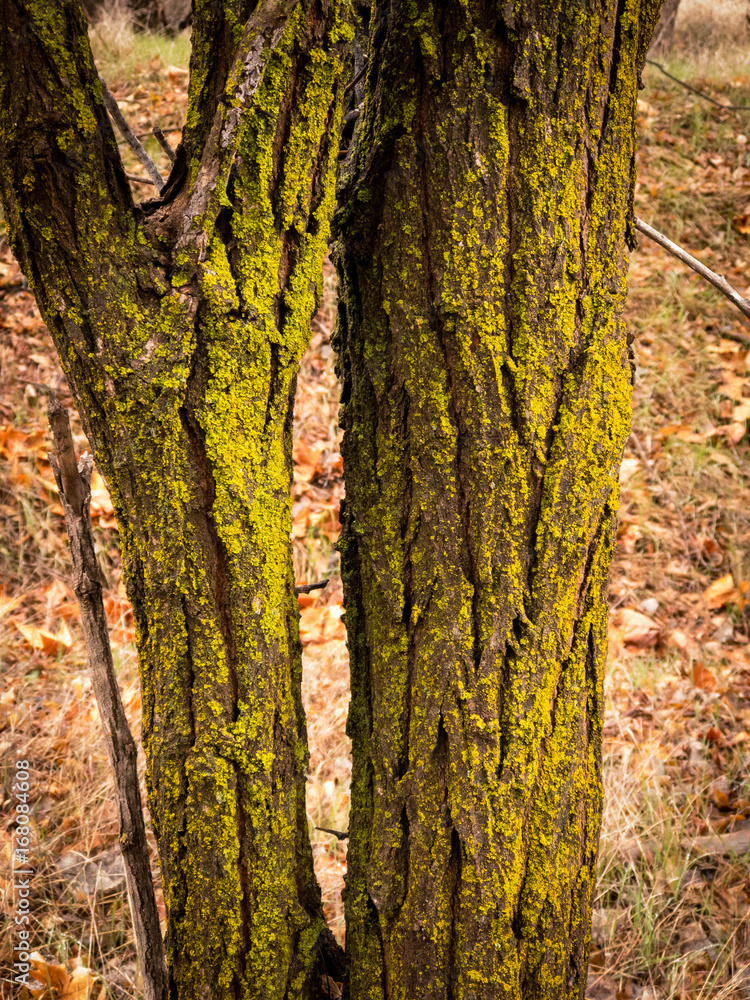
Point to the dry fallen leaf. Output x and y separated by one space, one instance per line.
720 592
58 982
48 642
100 499
628 468
8 604
637 629
317 625
734 386
685 643
703 678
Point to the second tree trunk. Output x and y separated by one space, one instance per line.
486 402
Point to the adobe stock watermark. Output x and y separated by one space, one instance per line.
22 872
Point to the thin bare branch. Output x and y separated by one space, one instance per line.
353 83
129 136
137 179
338 834
74 483
712 277
162 140
712 100
307 588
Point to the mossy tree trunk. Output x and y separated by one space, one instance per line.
483 223
180 323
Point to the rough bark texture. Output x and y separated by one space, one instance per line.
663 37
180 323
483 224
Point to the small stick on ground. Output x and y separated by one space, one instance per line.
129 136
74 484
712 277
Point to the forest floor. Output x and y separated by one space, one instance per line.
672 911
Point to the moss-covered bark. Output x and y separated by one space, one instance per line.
180 324
486 389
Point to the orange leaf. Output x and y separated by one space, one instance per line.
319 625
720 592
100 499
304 473
47 642
56 982
7 604
734 386
703 677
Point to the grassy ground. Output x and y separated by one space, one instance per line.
673 902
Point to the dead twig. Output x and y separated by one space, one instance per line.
712 277
306 588
338 834
726 107
74 484
353 83
162 140
129 136
138 179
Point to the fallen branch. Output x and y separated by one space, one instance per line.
713 844
712 277
737 842
74 484
726 107
128 135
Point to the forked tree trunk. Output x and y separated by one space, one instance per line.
483 228
180 324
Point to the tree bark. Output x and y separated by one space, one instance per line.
180 323
663 37
485 210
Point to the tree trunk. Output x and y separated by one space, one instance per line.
180 323
485 211
663 37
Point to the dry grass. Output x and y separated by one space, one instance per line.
122 53
670 923
707 33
